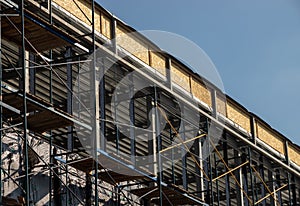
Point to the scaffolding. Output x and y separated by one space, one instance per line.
156 146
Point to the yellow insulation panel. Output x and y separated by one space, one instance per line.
180 77
97 20
106 25
71 7
158 62
200 91
238 116
86 15
294 155
221 105
132 44
267 136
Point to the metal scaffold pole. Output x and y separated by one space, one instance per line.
95 104
0 112
159 147
24 105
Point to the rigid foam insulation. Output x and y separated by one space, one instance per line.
201 92
180 77
105 25
134 46
158 62
294 154
221 104
102 21
238 116
269 137
69 6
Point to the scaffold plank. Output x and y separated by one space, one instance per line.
40 35
172 195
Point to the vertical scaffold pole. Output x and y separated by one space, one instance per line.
158 138
0 112
24 105
51 101
95 104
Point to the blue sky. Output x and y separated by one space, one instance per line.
255 46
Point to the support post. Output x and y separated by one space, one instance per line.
238 174
32 74
262 174
169 72
50 11
113 34
95 104
278 186
115 103
0 111
118 195
159 147
252 128
199 180
210 173
132 120
245 179
289 187
271 186
100 96
88 189
152 145
206 164
69 110
227 184
56 181
69 96
214 103
51 138
217 180
27 198
251 173
286 151
294 192
183 158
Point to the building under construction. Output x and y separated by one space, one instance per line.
62 147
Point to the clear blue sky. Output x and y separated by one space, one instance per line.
255 46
